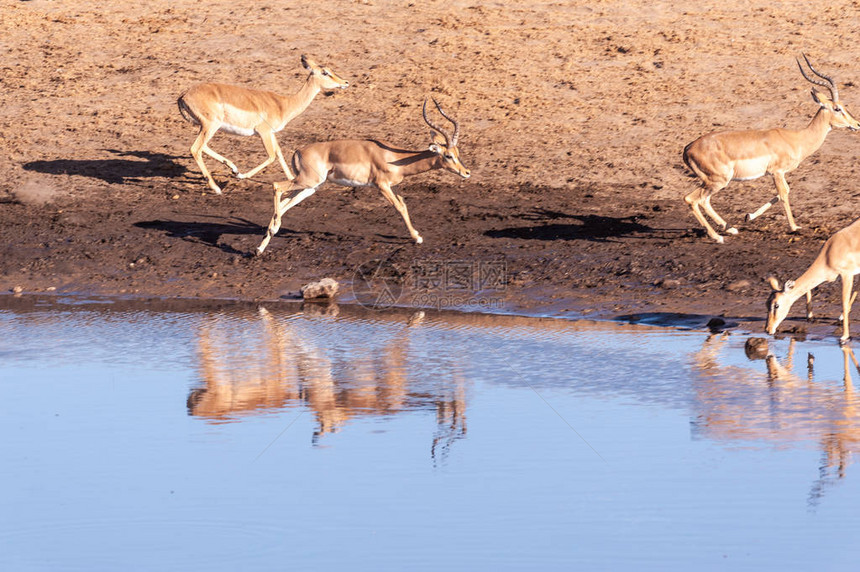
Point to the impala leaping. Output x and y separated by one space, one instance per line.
365 163
243 111
718 158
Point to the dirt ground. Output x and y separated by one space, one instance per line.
573 119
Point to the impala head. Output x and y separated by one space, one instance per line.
839 116
324 77
778 304
445 145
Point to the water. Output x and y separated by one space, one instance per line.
233 438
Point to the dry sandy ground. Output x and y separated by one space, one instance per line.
574 116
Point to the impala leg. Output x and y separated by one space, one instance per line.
206 133
809 305
275 223
208 150
850 304
782 189
271 145
709 210
296 195
282 160
847 285
762 209
695 199
400 205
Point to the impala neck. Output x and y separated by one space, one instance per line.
293 105
813 276
412 163
815 132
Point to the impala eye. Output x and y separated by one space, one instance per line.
326 73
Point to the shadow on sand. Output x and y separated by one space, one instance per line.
144 164
206 232
589 227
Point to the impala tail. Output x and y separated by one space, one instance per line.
185 111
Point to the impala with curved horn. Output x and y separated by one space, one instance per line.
365 163
838 258
242 111
718 158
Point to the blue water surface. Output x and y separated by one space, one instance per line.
139 437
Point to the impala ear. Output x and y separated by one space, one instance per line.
307 63
439 141
774 283
821 98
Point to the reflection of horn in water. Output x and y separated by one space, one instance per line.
838 445
258 364
450 419
742 403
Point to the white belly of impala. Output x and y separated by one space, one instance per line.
748 169
235 130
349 182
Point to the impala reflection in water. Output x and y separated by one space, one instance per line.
740 404
139 433
253 365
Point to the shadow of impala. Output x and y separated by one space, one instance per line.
205 232
144 164
589 227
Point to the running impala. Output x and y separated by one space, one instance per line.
839 258
718 158
242 111
365 163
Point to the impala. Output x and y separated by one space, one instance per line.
365 163
839 258
718 158
242 111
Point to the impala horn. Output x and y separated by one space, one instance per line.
830 85
450 141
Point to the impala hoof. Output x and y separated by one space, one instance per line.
748 218
731 230
719 239
419 240
258 251
844 341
